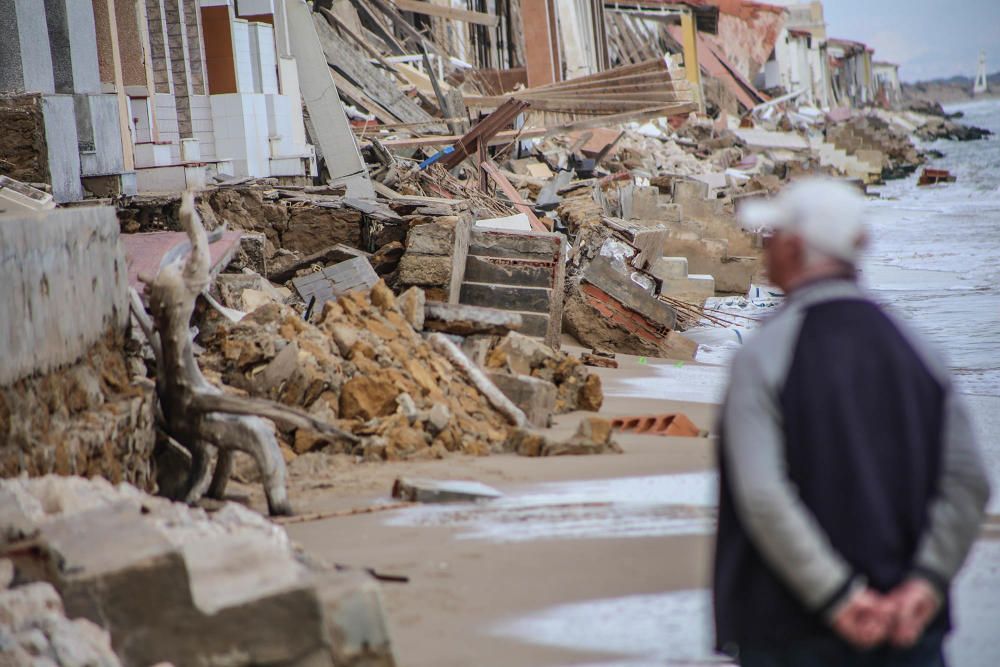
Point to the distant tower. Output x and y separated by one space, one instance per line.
980 86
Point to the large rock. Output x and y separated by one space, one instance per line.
593 436
171 583
368 396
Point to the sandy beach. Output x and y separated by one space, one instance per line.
600 560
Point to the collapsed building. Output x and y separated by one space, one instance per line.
238 234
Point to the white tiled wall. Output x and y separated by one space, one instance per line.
166 118
202 126
140 119
279 125
244 56
241 132
266 58
289 79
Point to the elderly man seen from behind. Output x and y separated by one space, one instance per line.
851 487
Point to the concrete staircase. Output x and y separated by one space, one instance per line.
522 272
853 166
678 284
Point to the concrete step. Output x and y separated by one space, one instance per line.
506 297
514 245
520 272
502 270
670 267
535 324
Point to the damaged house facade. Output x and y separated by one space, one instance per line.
253 249
151 96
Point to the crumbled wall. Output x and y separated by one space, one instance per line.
23 153
67 404
85 419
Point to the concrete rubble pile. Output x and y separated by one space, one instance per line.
363 366
874 140
34 629
170 585
542 380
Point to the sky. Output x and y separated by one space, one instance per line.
929 39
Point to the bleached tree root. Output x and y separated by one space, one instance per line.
195 414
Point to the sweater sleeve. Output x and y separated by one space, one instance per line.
958 508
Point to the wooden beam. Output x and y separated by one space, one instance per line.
464 15
498 139
515 197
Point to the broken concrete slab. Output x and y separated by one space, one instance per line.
333 281
632 289
535 397
518 222
18 197
418 490
465 320
648 238
230 579
593 436
597 319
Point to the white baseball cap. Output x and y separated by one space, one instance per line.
828 215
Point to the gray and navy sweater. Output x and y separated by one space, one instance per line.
846 458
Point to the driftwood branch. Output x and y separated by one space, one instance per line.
287 416
196 414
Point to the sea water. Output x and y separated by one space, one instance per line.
934 259
935 253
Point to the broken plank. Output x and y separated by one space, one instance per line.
359 97
514 196
464 15
378 86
